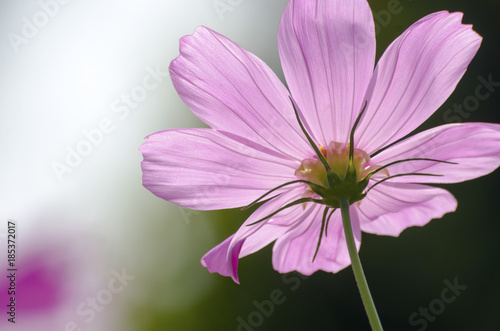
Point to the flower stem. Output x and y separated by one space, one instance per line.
359 275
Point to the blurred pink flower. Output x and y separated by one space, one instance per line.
327 50
56 272
36 287
39 287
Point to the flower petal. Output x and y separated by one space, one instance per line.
327 50
295 249
475 147
205 169
215 259
232 90
224 258
414 76
392 207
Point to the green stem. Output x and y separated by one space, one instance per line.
359 275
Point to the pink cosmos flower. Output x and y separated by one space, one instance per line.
255 144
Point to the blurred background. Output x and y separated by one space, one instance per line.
96 251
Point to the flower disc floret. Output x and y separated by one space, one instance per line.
349 183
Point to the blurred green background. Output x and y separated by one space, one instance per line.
72 73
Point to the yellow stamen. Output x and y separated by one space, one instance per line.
323 151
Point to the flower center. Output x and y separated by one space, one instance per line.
337 157
348 183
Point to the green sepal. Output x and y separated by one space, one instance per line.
277 188
399 175
328 221
405 160
331 175
291 204
351 169
323 222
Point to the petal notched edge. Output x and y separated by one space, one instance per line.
224 258
404 205
414 76
327 51
473 147
232 90
294 250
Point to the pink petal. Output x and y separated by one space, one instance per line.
224 258
295 249
391 208
474 146
205 169
327 50
415 75
232 90
215 260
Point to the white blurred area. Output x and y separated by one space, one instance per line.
67 76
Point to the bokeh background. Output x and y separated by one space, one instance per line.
96 251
